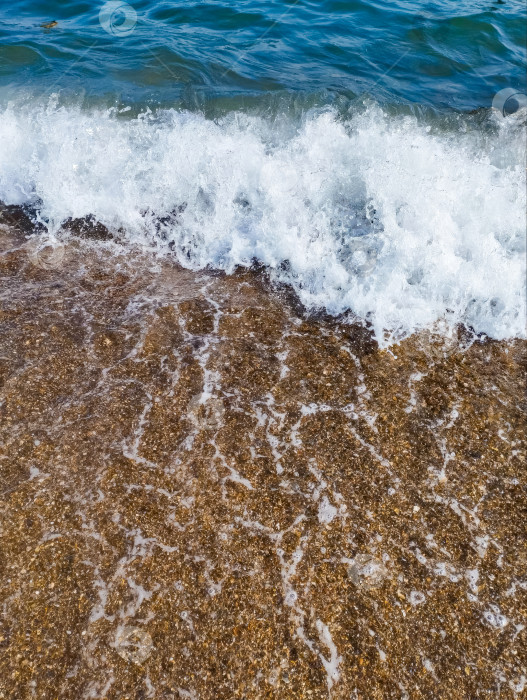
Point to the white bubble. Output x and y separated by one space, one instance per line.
326 511
290 597
495 618
416 598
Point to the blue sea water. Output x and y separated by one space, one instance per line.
442 53
371 154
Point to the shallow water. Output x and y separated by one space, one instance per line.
209 494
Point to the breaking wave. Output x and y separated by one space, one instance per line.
400 220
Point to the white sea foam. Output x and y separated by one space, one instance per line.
400 222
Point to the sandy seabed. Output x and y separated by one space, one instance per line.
207 494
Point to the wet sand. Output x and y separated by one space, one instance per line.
206 494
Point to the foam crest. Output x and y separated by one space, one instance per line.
399 221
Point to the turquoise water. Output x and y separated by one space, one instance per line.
443 54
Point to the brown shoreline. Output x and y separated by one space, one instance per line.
325 520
